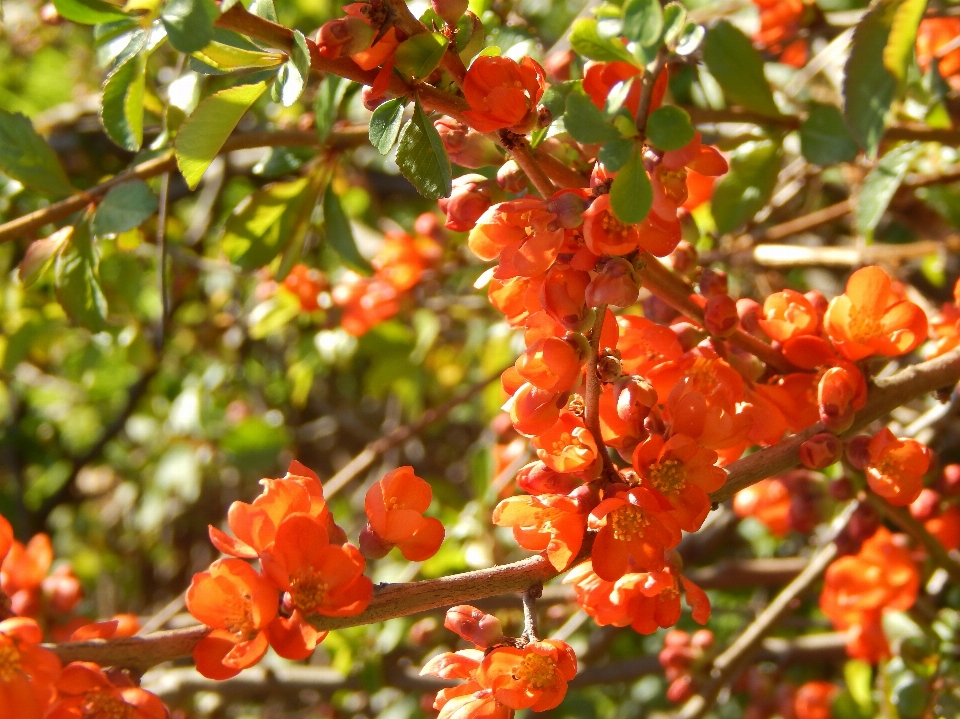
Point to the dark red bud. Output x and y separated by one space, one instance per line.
713 282
720 315
372 545
858 451
926 506
473 625
821 451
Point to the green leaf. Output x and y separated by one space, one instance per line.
643 21
585 122
121 113
326 107
265 9
880 185
615 153
203 133
189 23
586 40
418 56
263 224
824 137
903 37
747 187
385 125
868 86
674 22
39 255
126 206
89 12
227 58
336 230
28 159
738 67
669 128
859 677
631 194
422 158
78 282
292 77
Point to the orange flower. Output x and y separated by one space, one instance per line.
896 467
502 93
563 295
934 34
534 677
547 522
670 177
604 234
6 538
321 578
306 283
523 233
644 344
788 314
534 410
945 327
517 298
870 318
238 603
568 446
395 507
88 693
255 525
683 472
366 302
946 527
635 528
23 571
468 700
814 700
599 78
767 501
552 364
779 24
27 671
703 371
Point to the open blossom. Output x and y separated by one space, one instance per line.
503 93
27 671
683 472
895 467
635 528
86 692
551 363
23 571
934 34
239 603
468 700
871 318
548 522
780 21
534 677
395 507
568 446
788 314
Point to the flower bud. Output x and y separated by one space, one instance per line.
614 285
511 178
658 311
680 689
449 10
344 36
62 589
858 451
841 489
863 523
372 545
558 65
469 199
819 302
635 398
926 506
713 282
49 15
950 480
750 312
372 99
609 368
804 512
702 639
465 146
720 315
688 334
427 225
821 451
835 396
569 208
475 626
537 478
683 259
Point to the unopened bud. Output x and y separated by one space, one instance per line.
469 199
635 399
863 523
819 302
683 259
537 478
614 285
569 208
372 545
713 282
449 10
49 15
858 451
62 589
370 100
609 368
950 480
841 489
804 512
558 65
926 506
835 395
702 639
465 146
658 311
473 625
821 451
750 312
344 36
720 316
511 178
688 334
427 225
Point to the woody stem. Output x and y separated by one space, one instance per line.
650 78
530 621
591 399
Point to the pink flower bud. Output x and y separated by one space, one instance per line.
926 506
62 589
750 312
475 626
614 285
713 282
465 146
841 489
821 451
569 208
635 399
344 36
688 334
702 639
950 480
370 100
835 396
372 545
537 478
683 259
511 178
469 199
449 10
680 689
427 225
720 315
858 452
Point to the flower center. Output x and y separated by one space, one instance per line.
101 705
537 671
394 503
9 660
628 522
239 617
612 226
307 590
674 184
668 476
863 327
701 376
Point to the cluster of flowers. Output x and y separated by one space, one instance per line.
304 556
33 682
770 695
500 674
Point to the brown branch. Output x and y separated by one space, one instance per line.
560 173
339 139
903 519
519 149
591 397
731 661
884 395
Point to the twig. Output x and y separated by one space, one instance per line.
591 398
518 148
737 654
903 519
401 434
531 624
646 93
